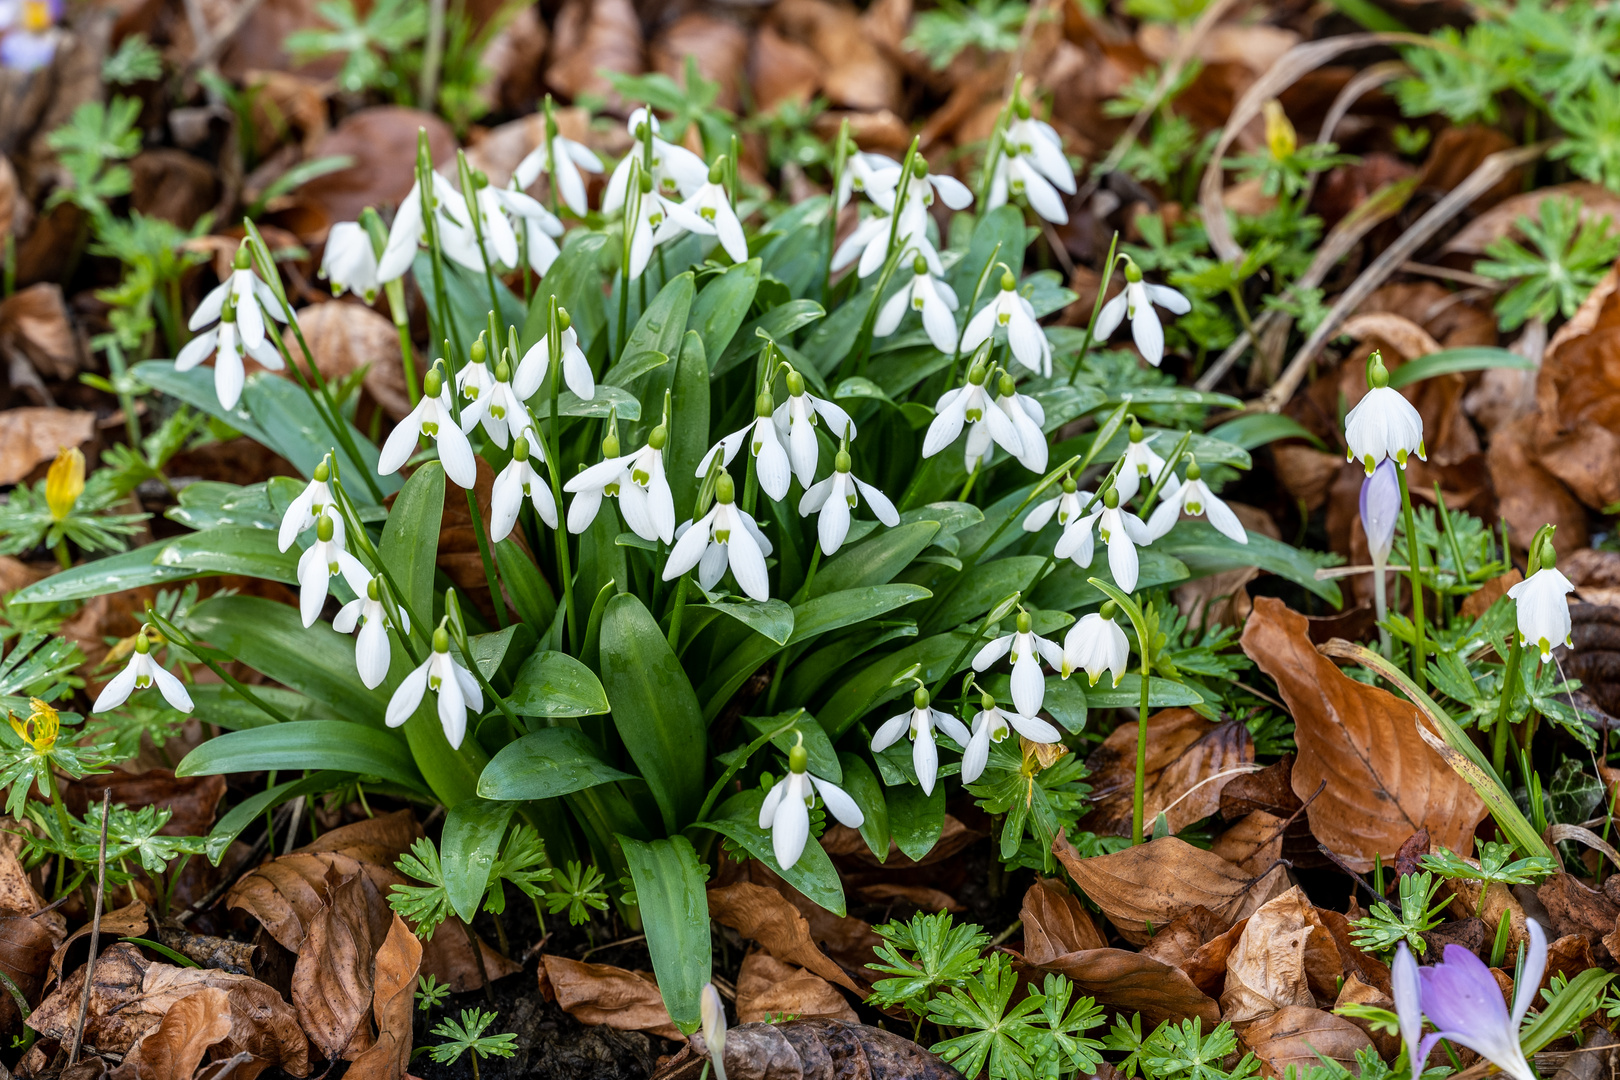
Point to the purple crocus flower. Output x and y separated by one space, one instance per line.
1380 507
1461 998
1407 988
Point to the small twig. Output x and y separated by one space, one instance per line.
612 945
292 828
95 930
1017 924
478 955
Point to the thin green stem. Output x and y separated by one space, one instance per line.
402 326
731 770
1096 310
174 634
491 578
1139 784
554 431
1510 688
1419 652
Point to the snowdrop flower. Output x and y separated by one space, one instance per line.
141 672
534 228
920 188
251 298
1543 613
474 381
859 170
1028 418
713 1013
1016 315
1137 301
1462 999
868 245
409 229
566 157
1069 505
675 171
933 299
536 364
786 810
921 720
795 423
1028 650
1120 529
637 480
457 689
1383 424
992 725
708 212
320 562
349 262
1032 165
971 404
224 343
651 211
1140 464
433 418
725 535
500 409
771 460
302 511
1195 498
1096 644
1407 987
835 497
515 482
371 652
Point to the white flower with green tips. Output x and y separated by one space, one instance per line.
1195 499
456 689
708 212
771 463
1120 529
141 672
1541 607
371 651
834 498
535 366
1068 505
349 263
795 423
1383 424
225 343
786 809
303 511
637 480
519 481
321 562
433 418
932 299
1141 465
725 536
1136 301
920 721
1096 644
971 405
992 725
1028 649
1016 315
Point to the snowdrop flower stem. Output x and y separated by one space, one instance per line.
1133 612
1096 310
840 164
458 630
1166 476
998 136
377 232
1415 575
472 181
558 321
908 169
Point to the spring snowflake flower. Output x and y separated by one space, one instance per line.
1195 498
1028 649
1096 644
433 418
835 497
1069 505
795 423
637 480
1142 464
1383 424
518 481
1543 613
921 188
1380 508
708 212
992 725
141 672
921 720
371 651
786 810
1032 165
933 299
251 298
224 343
303 511
770 459
349 262
675 171
726 535
1120 529
322 561
536 365
458 691
1016 315
569 157
971 404
1137 301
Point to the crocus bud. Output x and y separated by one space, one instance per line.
1380 508
714 1028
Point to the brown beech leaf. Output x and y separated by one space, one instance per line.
34 323
25 955
1401 334
1254 842
1356 992
332 980
398 962
1284 950
1383 782
1184 752
131 920
1156 881
590 37
1135 982
604 994
1300 1035
32 436
767 987
856 75
1576 909
1577 421
1592 201
1055 922
1177 943
345 337
382 142
818 1047
920 897
174 1049
769 918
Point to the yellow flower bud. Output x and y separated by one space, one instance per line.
1280 136
64 483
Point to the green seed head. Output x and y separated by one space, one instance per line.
441 640
1008 282
717 171
764 405
799 758
432 382
658 437
520 449
325 528
795 383
1025 624
725 488
373 590
1111 499
920 698
841 461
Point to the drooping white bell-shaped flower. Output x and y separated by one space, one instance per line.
564 158
518 228
1141 466
433 418
708 212
499 409
920 721
932 299
726 535
520 480
303 511
1194 498
1541 607
1096 644
141 672
535 366
1016 315
993 724
1028 419
1120 529
859 169
970 404
371 615
645 218
675 171
349 262
251 297
1069 505
922 186
771 463
795 423
1383 424
637 480
225 344
451 219
786 809
458 691
868 245
322 561
1136 301
1032 164
1028 649
835 497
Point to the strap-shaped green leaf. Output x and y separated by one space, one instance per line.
674 909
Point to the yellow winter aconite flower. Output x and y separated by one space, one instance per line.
1281 139
40 729
64 483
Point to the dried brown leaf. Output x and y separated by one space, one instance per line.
1356 992
31 437
382 142
1185 752
177 1046
1405 337
590 37
345 337
34 323
1055 922
1284 950
1577 433
1254 842
767 987
1383 782
1134 982
767 917
603 994
25 956
332 980
398 962
1593 201
1301 1036
819 1047
1177 943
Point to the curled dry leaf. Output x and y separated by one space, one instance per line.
34 324
1055 922
1383 782
345 337
1135 982
1254 842
797 1049
767 987
767 917
1284 952
1401 334
1575 909
31 437
604 994
590 37
332 980
1187 933
1187 756
1593 201
1356 992
1159 880
174 1049
382 142
1301 1036
1577 431
398 962
131 920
